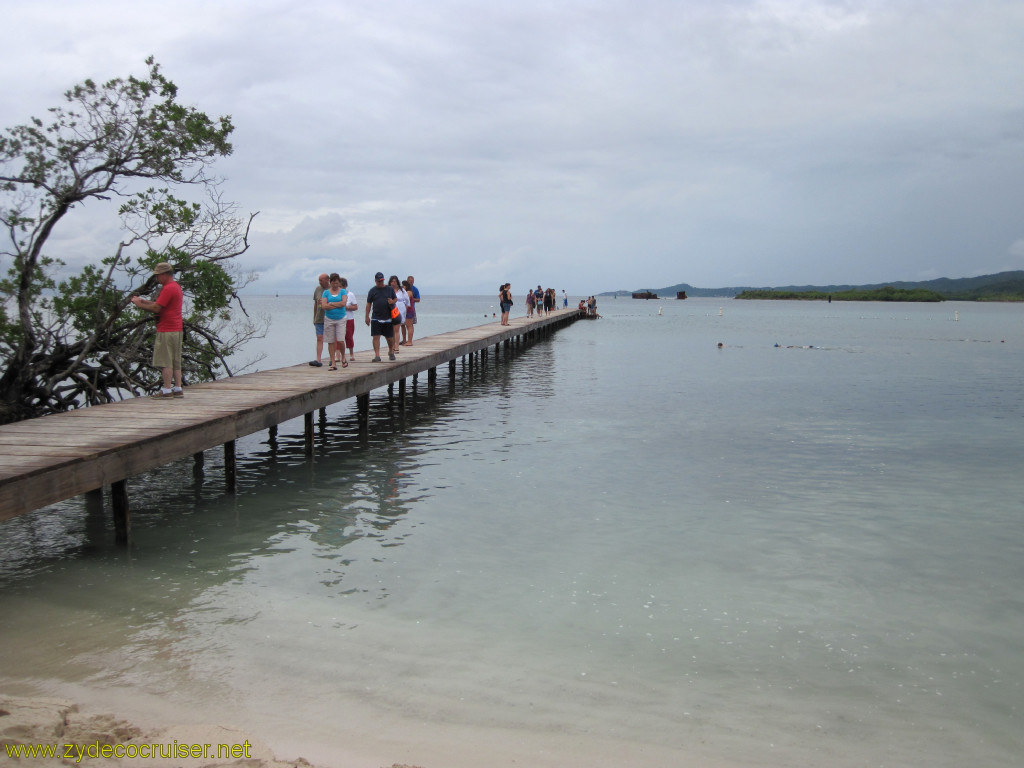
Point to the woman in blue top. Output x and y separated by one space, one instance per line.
334 301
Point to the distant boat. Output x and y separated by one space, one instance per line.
681 295
645 295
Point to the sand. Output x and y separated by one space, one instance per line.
31 721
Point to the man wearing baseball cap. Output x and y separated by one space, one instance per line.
379 302
169 327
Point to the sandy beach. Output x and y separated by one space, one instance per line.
82 738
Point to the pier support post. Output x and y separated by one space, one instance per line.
230 467
401 392
308 428
321 424
122 515
272 441
95 525
198 464
363 410
431 379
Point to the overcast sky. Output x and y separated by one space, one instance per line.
590 146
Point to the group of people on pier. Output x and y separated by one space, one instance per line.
588 307
390 311
543 300
540 301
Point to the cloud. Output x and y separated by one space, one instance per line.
598 145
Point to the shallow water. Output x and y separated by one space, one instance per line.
805 547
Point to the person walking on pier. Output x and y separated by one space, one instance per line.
350 321
169 328
334 301
402 304
414 299
505 299
318 318
410 315
380 301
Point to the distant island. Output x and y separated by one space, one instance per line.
888 293
1003 286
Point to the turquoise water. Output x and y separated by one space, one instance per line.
623 546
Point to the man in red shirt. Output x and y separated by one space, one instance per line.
169 327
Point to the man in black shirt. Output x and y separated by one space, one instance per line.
379 302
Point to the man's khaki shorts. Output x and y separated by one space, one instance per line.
167 350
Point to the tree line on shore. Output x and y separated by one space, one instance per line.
1001 286
888 293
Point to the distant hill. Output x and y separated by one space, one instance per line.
1003 286
672 290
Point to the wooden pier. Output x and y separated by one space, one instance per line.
52 458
